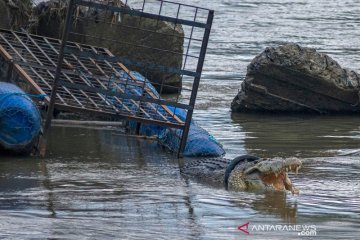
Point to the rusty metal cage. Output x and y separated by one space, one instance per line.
110 47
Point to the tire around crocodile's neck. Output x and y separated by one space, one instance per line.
233 164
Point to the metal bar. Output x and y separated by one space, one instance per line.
123 92
26 47
151 94
196 84
50 111
56 51
37 66
53 39
12 47
185 5
69 79
147 90
126 61
124 95
21 71
110 114
141 14
189 43
183 66
37 59
132 99
87 83
86 18
52 76
101 84
40 49
30 80
67 90
46 55
132 44
48 85
5 54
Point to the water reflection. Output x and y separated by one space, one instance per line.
281 205
298 135
277 204
46 184
16 176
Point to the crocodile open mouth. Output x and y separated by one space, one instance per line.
279 181
274 173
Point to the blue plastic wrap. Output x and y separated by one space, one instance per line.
20 120
199 142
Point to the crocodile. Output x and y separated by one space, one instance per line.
245 172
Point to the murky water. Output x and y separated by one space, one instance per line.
99 184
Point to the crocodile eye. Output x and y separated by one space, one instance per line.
254 170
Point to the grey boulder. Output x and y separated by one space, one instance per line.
291 78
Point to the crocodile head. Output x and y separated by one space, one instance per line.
263 174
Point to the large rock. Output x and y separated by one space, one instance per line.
93 27
291 78
14 13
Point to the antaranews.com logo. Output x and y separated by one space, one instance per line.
301 230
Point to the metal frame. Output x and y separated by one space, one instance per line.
78 75
36 66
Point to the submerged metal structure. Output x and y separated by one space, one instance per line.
78 77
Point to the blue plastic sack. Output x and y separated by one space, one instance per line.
20 120
199 142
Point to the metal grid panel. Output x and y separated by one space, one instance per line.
82 79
